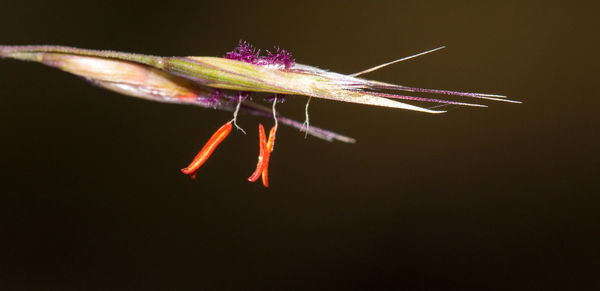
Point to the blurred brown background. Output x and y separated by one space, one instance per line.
504 197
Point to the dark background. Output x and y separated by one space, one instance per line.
504 197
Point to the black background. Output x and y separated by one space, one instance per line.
504 197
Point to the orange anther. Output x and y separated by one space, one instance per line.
262 142
266 147
207 150
270 145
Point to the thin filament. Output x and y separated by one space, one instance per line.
275 112
306 121
235 114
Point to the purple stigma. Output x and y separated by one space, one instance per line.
216 95
280 57
247 53
280 98
244 52
244 95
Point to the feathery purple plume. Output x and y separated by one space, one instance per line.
244 52
280 57
247 53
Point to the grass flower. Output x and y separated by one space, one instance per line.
226 83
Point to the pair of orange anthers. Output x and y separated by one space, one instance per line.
266 147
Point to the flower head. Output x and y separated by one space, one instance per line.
225 84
